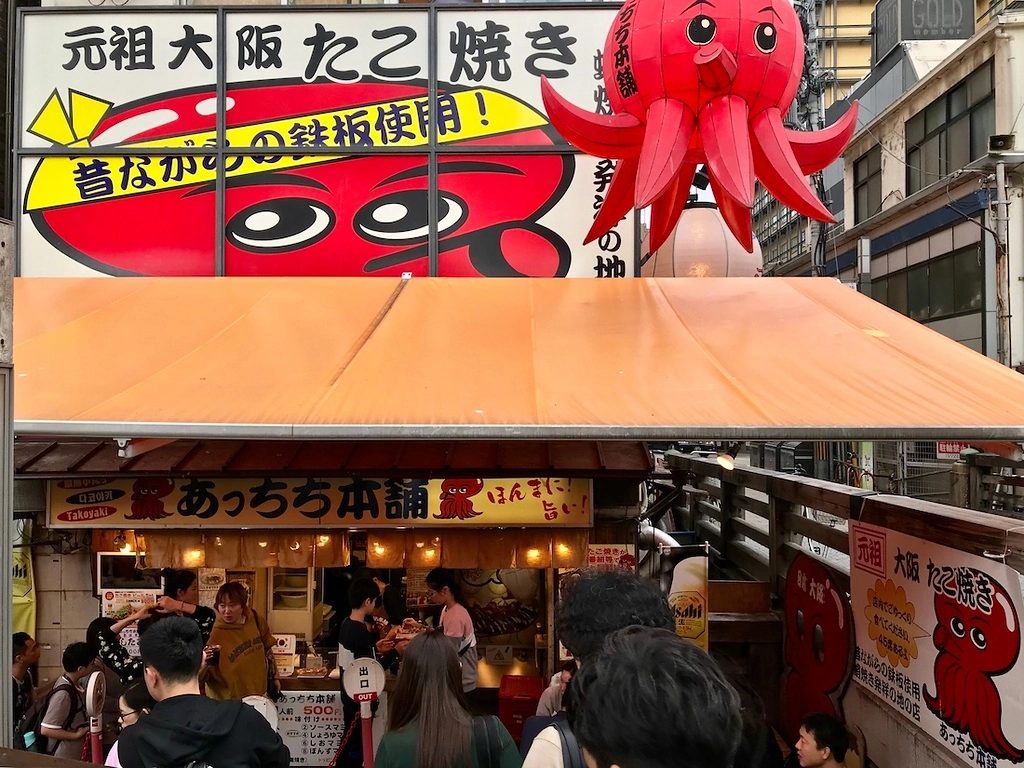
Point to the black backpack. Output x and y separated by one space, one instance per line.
487 742
572 752
32 722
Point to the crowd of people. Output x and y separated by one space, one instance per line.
636 695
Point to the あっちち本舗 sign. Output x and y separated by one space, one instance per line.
316 501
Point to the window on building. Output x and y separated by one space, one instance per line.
944 287
867 185
951 131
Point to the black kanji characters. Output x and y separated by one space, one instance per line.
132 48
393 122
86 45
610 266
93 179
191 42
358 498
479 54
259 47
552 45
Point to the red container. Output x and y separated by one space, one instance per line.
518 697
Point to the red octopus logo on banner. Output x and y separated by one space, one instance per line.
696 82
975 643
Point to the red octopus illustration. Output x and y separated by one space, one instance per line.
147 493
344 215
975 644
819 642
692 83
455 499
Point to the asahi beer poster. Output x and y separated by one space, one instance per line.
333 150
939 640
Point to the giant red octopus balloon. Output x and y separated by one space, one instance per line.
701 82
975 643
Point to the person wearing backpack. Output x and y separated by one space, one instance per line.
594 605
431 724
64 723
186 729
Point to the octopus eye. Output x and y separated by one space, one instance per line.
402 216
957 626
979 639
766 37
701 30
281 225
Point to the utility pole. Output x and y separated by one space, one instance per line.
6 472
810 116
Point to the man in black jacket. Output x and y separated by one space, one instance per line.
185 728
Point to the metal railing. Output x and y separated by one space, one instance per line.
759 520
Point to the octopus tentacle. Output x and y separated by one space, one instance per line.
670 126
778 169
618 200
667 208
736 216
814 150
611 136
723 129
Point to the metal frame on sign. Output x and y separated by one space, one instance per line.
221 152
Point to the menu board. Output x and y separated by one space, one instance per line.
210 581
416 588
311 724
120 604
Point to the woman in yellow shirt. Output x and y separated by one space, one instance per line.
246 648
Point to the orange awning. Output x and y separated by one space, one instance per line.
379 358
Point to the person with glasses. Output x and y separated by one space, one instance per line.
135 703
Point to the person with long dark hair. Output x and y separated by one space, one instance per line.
431 724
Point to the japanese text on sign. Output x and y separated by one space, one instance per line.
307 502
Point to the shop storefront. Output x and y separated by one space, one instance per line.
297 543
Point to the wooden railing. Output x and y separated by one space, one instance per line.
758 520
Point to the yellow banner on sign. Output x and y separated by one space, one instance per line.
60 181
163 502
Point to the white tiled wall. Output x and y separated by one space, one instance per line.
65 604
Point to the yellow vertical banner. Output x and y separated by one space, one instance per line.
23 593
689 599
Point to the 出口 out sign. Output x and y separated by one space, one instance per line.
939 640
313 142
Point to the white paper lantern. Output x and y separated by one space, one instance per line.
702 246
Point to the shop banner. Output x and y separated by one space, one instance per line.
164 502
23 595
939 640
611 557
317 101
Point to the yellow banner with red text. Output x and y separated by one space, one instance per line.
352 502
